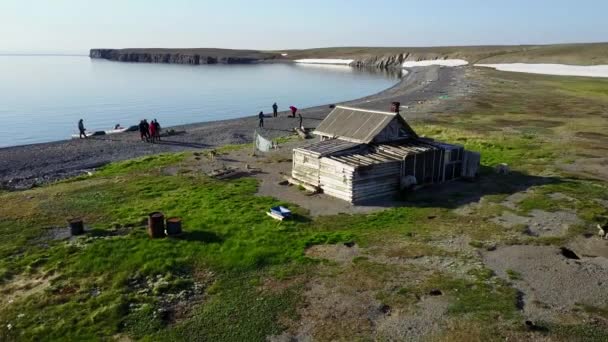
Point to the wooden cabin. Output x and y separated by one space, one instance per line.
364 154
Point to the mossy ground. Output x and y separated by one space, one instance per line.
91 287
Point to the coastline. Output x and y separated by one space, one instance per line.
24 166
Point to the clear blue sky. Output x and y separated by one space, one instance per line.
77 25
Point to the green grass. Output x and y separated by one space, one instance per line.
114 280
513 275
485 298
226 231
251 314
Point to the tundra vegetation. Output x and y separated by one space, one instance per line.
237 275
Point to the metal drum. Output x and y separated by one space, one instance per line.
156 225
174 226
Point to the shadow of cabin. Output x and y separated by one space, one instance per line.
460 193
365 154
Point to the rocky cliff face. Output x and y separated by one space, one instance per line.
394 60
171 57
223 56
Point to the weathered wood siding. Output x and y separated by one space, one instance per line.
336 179
391 132
305 167
379 180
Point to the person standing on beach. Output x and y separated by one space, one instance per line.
261 117
152 128
301 118
157 129
275 110
81 129
142 130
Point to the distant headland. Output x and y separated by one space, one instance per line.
379 57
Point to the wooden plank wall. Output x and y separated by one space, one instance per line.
336 179
379 180
305 167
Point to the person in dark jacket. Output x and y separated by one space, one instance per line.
157 127
275 110
143 130
261 117
81 129
301 118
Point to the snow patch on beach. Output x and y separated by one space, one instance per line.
336 67
441 62
552 69
325 61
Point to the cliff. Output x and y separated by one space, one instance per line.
184 56
371 57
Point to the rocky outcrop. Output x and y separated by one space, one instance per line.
393 60
210 56
225 56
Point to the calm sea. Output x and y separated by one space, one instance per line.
42 97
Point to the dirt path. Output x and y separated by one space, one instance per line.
24 166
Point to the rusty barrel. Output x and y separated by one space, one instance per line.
174 226
395 107
156 225
76 226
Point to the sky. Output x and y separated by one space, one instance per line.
75 26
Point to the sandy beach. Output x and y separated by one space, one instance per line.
22 167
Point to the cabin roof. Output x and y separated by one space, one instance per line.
358 125
383 153
327 147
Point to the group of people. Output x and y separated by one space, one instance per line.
149 132
275 113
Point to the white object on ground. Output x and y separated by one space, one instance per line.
284 54
262 144
441 62
325 61
552 69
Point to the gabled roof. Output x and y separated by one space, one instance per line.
358 125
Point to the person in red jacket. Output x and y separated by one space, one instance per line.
153 132
293 111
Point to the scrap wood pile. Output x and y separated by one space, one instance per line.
302 133
225 173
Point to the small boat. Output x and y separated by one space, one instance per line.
89 134
279 213
110 131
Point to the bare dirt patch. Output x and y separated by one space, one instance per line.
599 137
552 284
530 123
21 287
594 167
426 318
539 222
589 247
340 253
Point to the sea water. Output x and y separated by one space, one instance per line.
43 97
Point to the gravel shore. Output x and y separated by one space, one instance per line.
22 167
